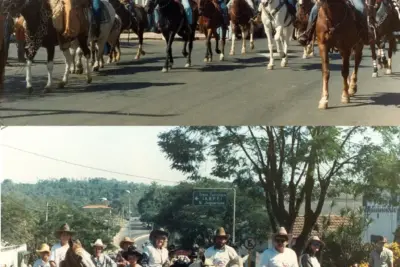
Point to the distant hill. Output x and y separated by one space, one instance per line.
78 192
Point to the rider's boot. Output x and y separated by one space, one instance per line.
305 38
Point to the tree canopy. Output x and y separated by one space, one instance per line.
291 165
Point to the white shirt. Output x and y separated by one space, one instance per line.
103 261
41 263
58 252
272 258
157 257
221 257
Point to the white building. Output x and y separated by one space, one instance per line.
385 221
11 255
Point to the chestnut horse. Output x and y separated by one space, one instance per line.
336 28
241 15
211 18
77 256
387 22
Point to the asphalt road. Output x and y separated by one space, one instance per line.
238 91
135 230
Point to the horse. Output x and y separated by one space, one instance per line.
211 18
275 14
173 20
386 23
77 256
110 27
303 12
136 22
241 15
208 262
336 29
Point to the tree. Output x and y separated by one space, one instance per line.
291 165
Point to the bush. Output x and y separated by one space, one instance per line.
395 247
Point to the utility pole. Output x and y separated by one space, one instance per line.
47 217
234 216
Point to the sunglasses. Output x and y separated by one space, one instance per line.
280 241
316 244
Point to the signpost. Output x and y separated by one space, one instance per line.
250 244
214 197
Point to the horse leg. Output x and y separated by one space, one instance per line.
68 62
268 32
29 75
383 57
285 42
168 40
171 59
140 47
118 50
72 51
208 56
345 74
86 52
93 50
50 66
373 55
243 39
79 65
223 43
390 53
233 27
357 60
324 54
186 39
189 58
251 31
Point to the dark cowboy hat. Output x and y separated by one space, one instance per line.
132 252
64 229
221 233
381 239
159 232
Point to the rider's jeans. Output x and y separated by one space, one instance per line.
358 4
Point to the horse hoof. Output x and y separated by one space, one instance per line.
185 54
323 105
243 52
61 84
89 80
137 57
270 67
284 64
353 89
164 70
46 90
96 68
380 67
221 57
143 53
206 59
311 54
388 71
187 65
252 46
217 51
30 90
304 56
345 99
374 74
232 53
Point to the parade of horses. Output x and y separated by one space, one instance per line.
87 30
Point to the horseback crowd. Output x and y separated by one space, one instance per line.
69 253
341 25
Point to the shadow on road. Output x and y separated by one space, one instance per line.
226 67
252 60
380 99
127 86
141 61
317 66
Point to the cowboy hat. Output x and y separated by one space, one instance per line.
126 240
65 229
159 232
99 243
381 239
132 252
281 233
221 233
43 248
315 239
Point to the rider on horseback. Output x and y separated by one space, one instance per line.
290 4
188 11
361 22
96 9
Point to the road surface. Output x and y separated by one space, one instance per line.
238 91
135 230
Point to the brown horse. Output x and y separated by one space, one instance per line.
211 18
336 29
241 15
303 13
77 256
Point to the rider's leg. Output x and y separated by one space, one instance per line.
396 7
97 17
188 11
361 19
305 38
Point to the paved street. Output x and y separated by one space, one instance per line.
135 230
238 91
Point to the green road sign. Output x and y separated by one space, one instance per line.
209 198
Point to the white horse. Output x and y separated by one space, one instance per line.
274 15
108 31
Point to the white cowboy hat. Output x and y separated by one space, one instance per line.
282 233
315 238
43 248
99 243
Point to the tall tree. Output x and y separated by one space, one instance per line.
292 165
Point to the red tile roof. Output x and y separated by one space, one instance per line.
334 222
96 207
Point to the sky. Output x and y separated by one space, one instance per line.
131 150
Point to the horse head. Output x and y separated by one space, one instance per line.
77 256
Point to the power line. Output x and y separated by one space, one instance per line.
86 166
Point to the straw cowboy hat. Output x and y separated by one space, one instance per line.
132 252
315 239
221 233
43 248
160 232
126 240
99 243
65 229
281 233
